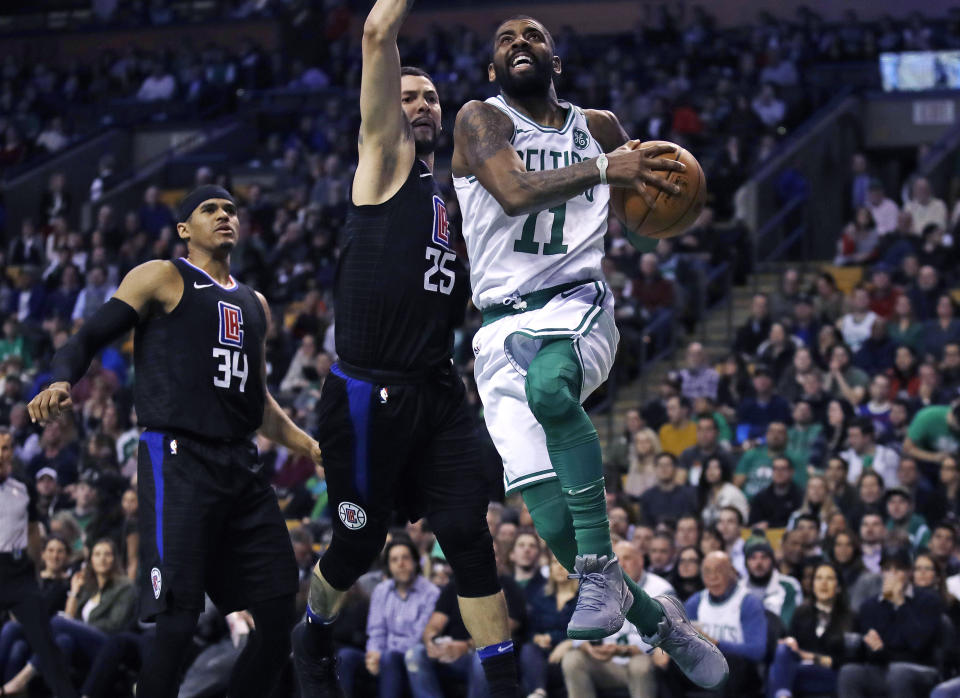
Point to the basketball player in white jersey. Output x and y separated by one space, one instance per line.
532 175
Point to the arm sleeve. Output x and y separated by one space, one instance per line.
111 321
754 625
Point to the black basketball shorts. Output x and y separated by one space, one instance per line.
408 448
209 522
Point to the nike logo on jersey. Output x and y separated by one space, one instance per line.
426 174
524 130
196 285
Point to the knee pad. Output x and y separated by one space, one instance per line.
348 558
465 539
553 386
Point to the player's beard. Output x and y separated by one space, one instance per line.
537 82
427 144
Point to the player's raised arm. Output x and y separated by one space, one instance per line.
154 281
383 127
482 148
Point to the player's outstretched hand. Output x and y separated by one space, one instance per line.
50 403
635 167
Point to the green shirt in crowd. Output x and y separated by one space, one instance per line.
929 430
757 465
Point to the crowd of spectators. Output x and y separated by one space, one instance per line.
801 487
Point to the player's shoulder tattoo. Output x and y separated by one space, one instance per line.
483 129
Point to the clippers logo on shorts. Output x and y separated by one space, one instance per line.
156 581
352 516
231 324
441 230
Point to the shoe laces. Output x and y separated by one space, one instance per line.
591 596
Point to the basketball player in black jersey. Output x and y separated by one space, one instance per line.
395 430
209 520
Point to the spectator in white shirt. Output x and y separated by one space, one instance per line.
780 70
768 108
883 209
158 86
924 208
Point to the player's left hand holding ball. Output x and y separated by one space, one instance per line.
51 403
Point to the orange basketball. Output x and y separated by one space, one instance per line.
671 214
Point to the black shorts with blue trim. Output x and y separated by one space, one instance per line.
209 522
397 448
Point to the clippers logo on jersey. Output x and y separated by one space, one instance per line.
156 581
441 232
231 324
352 516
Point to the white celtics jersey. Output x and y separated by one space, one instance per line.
514 255
721 621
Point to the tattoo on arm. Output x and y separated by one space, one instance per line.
488 131
485 132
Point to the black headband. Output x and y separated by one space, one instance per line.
198 196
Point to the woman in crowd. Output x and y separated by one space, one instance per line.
808 659
790 385
828 338
903 328
685 576
101 601
839 414
64 525
734 385
941 330
550 608
928 574
945 502
14 649
860 583
642 458
716 491
777 351
904 380
859 240
817 501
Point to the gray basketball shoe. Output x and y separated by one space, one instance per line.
696 656
604 598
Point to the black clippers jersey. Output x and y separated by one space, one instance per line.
400 290
197 368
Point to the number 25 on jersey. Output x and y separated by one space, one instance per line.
440 277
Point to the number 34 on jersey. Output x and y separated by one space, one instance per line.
231 359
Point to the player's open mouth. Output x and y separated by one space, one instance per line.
521 59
